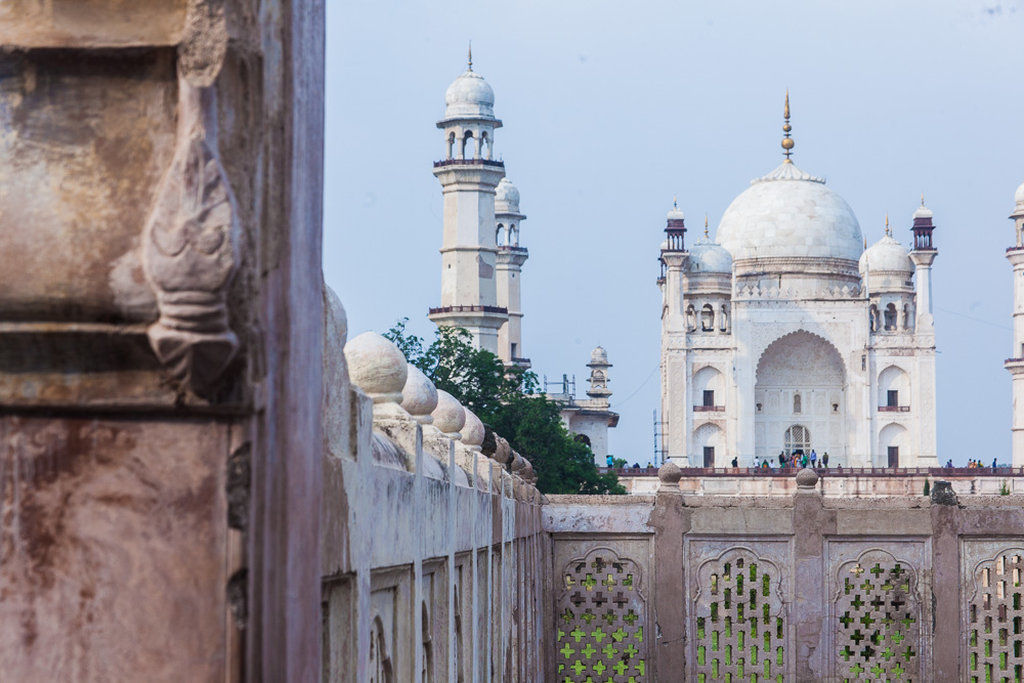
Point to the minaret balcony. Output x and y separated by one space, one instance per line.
469 162
1014 365
469 308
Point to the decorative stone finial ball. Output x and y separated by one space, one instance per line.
806 478
473 430
376 366
670 473
449 416
419 396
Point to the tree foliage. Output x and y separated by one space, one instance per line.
507 399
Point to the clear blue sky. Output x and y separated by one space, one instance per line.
611 108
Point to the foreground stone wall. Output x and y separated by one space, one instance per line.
434 560
803 587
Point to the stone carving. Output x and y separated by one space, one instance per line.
190 250
995 634
879 615
740 619
600 619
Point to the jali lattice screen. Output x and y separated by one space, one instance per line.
879 619
995 642
740 620
600 620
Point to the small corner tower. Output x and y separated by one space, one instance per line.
1015 363
510 259
598 381
469 176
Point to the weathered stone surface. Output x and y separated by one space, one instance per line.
101 517
91 23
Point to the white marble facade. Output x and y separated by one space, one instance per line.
785 334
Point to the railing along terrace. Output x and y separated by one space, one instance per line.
823 471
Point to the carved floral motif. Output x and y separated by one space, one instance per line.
191 250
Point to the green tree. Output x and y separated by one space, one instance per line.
507 400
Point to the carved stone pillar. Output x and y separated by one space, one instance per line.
160 339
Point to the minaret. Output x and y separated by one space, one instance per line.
674 350
1015 363
469 176
923 255
511 258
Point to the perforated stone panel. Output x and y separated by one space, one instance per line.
740 624
994 616
600 620
878 619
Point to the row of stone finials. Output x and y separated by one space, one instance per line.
400 390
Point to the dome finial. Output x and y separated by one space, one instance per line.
787 140
705 226
675 203
469 59
888 231
922 199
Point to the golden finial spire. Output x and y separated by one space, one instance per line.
469 59
706 226
675 203
787 140
888 231
922 199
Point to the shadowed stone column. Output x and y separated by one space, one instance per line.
670 521
811 523
947 638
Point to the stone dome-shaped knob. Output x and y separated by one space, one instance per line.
449 416
806 478
376 366
472 430
419 395
669 474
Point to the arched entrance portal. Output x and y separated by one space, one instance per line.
800 399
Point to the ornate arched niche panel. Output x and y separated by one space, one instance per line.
601 619
739 617
879 622
993 611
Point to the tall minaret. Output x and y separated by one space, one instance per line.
1015 363
674 349
469 176
511 258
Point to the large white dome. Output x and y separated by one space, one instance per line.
790 214
469 96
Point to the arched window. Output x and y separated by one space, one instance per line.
468 145
797 404
427 663
499 235
485 146
513 235
723 319
707 318
873 318
890 317
797 440
691 319
380 668
451 145
908 322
